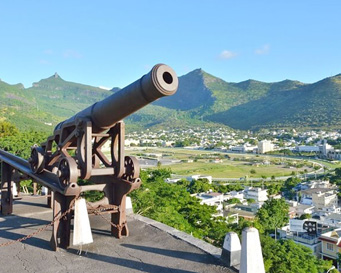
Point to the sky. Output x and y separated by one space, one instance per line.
113 43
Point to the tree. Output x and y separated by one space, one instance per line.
273 214
305 216
183 182
233 201
289 185
7 129
338 172
273 189
286 256
200 185
250 201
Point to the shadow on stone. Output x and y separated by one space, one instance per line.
12 223
141 266
189 256
30 204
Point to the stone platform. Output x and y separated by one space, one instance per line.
151 246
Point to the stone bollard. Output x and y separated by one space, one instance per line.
44 191
251 254
231 250
129 206
14 190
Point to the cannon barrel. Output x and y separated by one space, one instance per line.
159 82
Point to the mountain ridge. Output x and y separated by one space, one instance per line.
202 99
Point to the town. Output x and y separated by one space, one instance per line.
224 139
314 210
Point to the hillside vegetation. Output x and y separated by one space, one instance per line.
202 100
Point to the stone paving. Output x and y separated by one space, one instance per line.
151 246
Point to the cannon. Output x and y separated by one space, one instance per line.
74 152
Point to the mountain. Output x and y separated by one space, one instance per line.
53 99
254 105
297 105
46 103
202 100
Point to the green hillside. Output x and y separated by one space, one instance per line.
64 98
304 106
202 100
254 105
52 100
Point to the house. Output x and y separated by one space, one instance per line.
324 199
237 194
331 245
212 199
307 195
304 209
245 211
333 219
297 232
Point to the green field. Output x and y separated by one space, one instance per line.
228 169
236 166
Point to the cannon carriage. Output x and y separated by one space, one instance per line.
74 152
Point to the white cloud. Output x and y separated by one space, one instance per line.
227 54
72 54
262 50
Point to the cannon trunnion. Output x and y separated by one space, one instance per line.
75 151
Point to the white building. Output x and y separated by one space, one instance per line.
328 151
237 194
258 194
307 195
265 146
129 141
243 148
212 199
172 180
294 231
324 199
198 176
307 149
333 219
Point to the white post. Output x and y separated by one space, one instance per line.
44 190
251 255
231 249
14 189
129 206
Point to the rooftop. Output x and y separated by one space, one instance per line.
151 246
316 190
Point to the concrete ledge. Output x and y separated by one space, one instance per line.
206 247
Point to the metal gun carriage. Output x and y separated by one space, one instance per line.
74 152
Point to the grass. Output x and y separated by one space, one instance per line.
227 168
230 169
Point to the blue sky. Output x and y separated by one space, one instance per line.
112 43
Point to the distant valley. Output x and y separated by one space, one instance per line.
202 100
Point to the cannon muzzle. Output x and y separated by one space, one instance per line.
159 82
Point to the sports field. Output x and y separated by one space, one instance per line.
226 165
